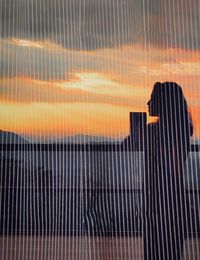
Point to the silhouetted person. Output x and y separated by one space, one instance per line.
167 150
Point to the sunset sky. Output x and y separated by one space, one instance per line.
72 67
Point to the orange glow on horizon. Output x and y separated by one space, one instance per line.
61 119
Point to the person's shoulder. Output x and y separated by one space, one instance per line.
152 129
152 126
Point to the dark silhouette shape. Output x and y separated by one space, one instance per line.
167 149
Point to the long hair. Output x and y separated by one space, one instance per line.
173 111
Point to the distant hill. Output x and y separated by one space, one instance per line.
86 139
74 139
11 138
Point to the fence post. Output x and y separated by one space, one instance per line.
139 134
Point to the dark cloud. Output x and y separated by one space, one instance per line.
80 24
91 24
172 23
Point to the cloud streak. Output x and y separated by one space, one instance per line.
45 60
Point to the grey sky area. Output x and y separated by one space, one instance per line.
92 24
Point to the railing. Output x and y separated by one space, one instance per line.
49 207
55 147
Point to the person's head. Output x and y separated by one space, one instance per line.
169 104
166 97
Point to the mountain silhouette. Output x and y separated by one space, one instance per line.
73 139
11 138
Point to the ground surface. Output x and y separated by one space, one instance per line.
81 248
